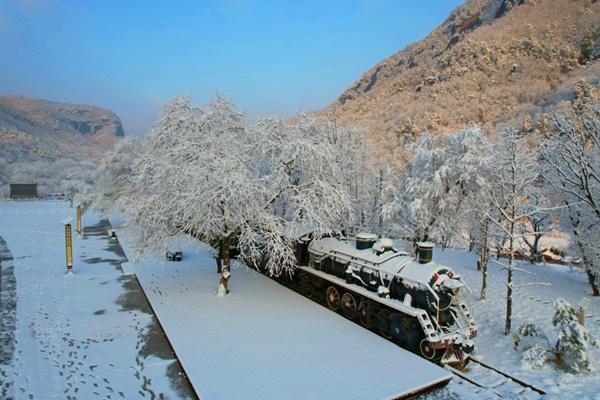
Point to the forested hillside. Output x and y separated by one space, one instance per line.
493 62
47 141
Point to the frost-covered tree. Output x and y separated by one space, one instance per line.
443 182
303 171
205 173
572 159
483 233
516 170
113 188
537 223
60 175
153 215
366 179
195 177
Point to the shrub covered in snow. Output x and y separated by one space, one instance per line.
572 346
534 343
573 339
529 335
535 357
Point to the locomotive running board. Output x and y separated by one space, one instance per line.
421 315
398 306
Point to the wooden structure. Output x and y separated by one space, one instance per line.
23 190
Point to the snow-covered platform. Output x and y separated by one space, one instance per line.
264 341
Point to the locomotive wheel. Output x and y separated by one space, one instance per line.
427 349
348 305
333 298
384 325
364 314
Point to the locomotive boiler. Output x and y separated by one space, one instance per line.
414 302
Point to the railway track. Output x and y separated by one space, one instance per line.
497 381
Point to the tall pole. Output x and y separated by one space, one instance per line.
69 247
79 220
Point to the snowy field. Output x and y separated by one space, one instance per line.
82 336
93 334
531 304
264 341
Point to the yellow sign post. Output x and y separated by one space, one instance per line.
68 245
79 220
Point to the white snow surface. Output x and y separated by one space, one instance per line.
264 341
85 335
54 310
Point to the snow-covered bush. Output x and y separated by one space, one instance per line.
574 340
533 342
529 335
535 357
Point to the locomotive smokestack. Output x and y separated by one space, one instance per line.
365 240
424 252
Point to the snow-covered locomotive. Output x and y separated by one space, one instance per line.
414 302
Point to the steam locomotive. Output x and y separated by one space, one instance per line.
414 302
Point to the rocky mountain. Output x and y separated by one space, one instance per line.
34 130
492 62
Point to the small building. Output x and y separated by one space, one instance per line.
23 190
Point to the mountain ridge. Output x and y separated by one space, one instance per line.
35 130
492 62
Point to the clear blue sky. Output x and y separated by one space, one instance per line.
268 56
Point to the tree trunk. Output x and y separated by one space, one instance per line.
534 248
219 257
592 276
535 252
509 275
225 273
509 284
484 276
507 323
484 256
593 280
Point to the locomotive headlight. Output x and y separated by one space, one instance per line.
453 285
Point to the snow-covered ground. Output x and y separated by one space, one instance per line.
82 336
531 304
93 334
264 341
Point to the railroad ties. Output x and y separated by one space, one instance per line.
497 381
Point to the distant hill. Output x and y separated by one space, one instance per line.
39 130
493 62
